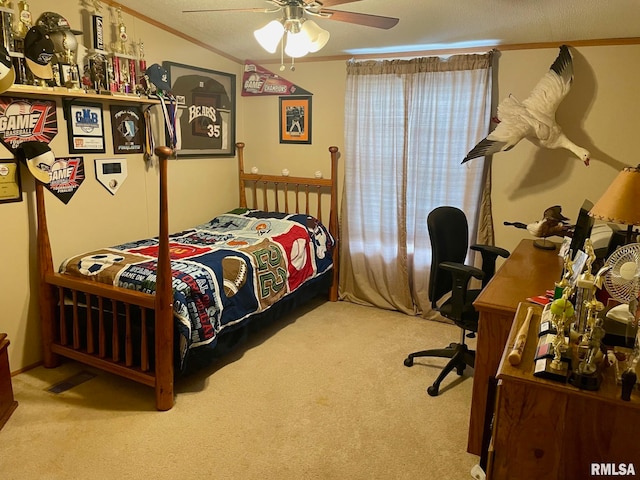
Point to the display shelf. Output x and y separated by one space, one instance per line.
63 92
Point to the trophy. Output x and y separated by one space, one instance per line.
13 37
25 21
584 289
586 375
123 62
552 361
6 25
142 68
567 273
96 64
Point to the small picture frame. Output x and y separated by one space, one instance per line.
295 120
85 127
66 75
10 183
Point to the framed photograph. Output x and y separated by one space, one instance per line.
85 127
295 120
206 110
10 184
66 75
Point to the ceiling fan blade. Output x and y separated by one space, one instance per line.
260 10
331 3
376 21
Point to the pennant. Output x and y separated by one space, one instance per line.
26 119
67 174
257 80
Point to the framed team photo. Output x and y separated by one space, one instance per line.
295 120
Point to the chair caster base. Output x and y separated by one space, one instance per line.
408 362
433 391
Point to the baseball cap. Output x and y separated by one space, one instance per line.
7 72
159 77
38 52
54 22
39 159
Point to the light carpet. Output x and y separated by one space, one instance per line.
320 394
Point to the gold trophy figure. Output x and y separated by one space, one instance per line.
121 45
25 21
561 311
93 6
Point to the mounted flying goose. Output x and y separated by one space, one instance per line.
535 117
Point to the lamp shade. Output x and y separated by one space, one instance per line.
297 44
621 201
316 35
270 35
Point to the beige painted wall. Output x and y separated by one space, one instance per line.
94 218
601 113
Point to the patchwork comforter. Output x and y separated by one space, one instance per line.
224 271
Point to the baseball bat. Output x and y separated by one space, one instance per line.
515 356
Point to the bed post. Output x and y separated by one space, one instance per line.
45 266
164 297
243 194
333 223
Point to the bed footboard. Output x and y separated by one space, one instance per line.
132 334
121 331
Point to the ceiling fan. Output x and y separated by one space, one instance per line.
295 10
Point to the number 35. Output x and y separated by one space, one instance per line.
213 130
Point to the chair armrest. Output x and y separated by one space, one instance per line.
461 275
491 250
461 270
489 254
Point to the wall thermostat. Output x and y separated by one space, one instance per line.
111 172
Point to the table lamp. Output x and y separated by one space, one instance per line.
620 203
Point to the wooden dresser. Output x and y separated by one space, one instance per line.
551 430
7 402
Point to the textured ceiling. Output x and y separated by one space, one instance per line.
424 24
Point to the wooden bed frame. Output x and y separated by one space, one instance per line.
141 347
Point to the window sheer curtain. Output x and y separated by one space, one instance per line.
408 125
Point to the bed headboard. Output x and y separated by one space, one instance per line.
287 194
280 190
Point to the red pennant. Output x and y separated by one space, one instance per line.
258 80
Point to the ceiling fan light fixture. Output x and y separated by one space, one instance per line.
318 37
298 44
270 35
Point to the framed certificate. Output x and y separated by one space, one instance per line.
85 127
10 185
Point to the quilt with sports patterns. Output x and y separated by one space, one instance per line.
238 264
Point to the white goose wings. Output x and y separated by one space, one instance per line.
534 117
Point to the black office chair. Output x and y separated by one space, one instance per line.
449 234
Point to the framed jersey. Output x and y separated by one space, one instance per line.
205 110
